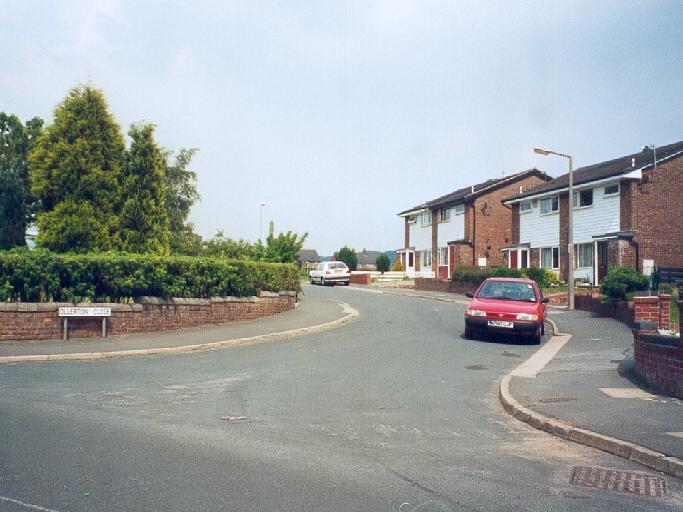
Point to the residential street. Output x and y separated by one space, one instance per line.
393 411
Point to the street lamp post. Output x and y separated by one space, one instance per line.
260 226
570 237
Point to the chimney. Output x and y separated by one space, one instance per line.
472 190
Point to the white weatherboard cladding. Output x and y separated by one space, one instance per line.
539 230
454 229
420 236
600 218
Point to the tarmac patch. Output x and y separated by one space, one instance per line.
634 393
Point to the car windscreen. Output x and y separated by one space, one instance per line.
505 290
337 265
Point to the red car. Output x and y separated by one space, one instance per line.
506 305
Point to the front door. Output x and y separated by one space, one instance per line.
602 260
513 259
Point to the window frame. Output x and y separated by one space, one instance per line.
554 201
554 257
525 210
579 195
423 216
442 251
577 255
459 209
427 256
611 194
444 215
412 219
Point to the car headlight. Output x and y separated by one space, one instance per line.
475 312
526 316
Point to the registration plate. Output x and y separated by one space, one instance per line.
500 323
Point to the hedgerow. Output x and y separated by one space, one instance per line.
41 276
475 275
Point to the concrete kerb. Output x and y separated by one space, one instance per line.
625 449
349 314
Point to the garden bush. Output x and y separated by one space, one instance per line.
620 281
476 275
41 276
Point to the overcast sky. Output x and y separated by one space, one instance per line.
340 114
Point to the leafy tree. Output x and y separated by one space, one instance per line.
143 220
383 263
181 194
283 248
76 166
16 204
348 256
224 247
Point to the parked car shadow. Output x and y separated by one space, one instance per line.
508 339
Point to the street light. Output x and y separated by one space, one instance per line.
570 237
260 226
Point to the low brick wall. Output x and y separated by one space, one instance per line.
361 278
34 321
430 284
658 358
622 311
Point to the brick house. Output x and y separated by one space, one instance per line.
467 227
627 212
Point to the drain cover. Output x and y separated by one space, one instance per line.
476 367
556 400
620 481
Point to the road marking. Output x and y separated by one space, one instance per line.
27 505
628 393
676 434
530 368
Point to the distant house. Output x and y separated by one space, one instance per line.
465 228
367 260
307 259
626 212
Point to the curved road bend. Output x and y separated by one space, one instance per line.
391 412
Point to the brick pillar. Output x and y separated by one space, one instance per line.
406 235
665 311
646 310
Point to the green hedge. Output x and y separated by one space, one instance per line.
621 281
41 276
475 275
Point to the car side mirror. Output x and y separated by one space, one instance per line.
469 294
545 300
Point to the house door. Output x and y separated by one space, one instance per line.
513 259
602 260
410 256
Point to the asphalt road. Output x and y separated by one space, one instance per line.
393 411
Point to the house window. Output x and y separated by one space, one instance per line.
525 207
426 258
583 198
550 205
426 218
443 256
412 219
583 255
444 215
459 209
550 257
612 189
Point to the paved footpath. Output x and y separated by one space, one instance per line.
309 314
590 384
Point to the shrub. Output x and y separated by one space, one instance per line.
382 262
41 276
476 275
544 278
348 256
622 280
398 266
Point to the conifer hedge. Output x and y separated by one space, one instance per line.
42 276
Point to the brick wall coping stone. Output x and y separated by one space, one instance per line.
665 340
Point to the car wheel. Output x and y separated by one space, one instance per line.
346 283
469 335
543 329
323 282
311 279
536 337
